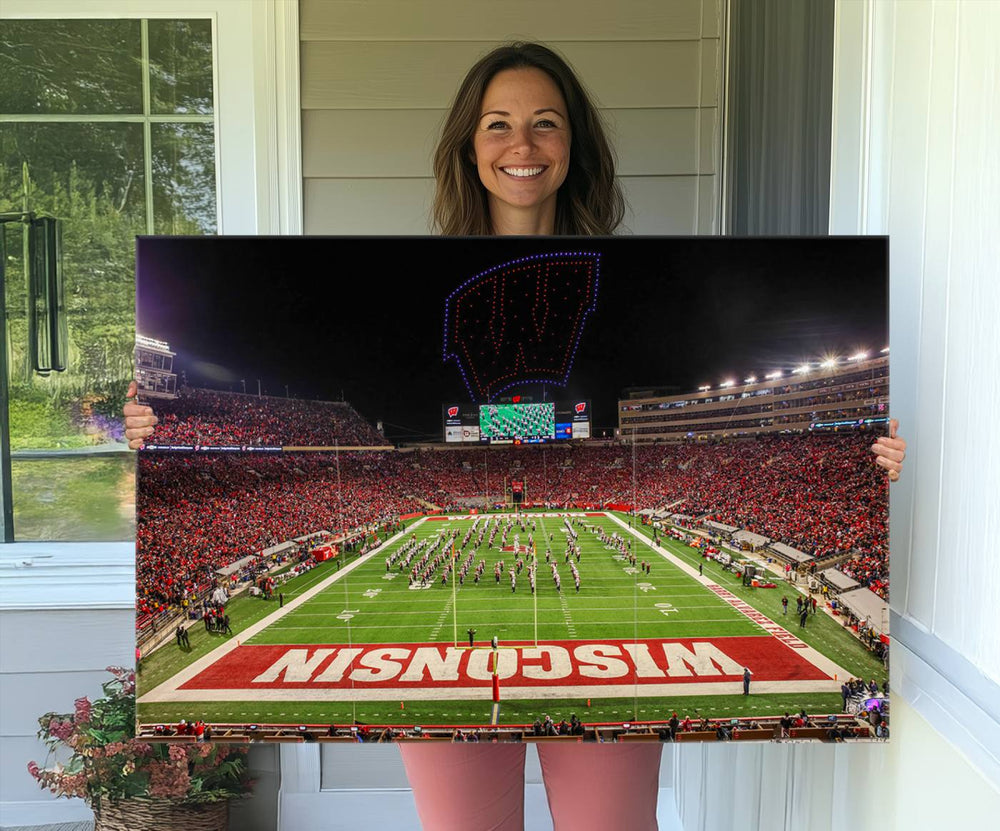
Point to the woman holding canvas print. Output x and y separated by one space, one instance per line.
523 152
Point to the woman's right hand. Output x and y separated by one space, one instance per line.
139 419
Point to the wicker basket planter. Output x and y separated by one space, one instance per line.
161 815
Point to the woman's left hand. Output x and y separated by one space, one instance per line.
890 451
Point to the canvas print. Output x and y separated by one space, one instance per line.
512 489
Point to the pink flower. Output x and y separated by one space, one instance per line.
168 779
139 748
177 753
83 708
74 785
62 730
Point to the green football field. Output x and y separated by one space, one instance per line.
634 644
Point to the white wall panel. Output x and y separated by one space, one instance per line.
660 204
968 583
930 785
367 143
640 137
928 533
16 784
810 806
709 141
361 766
907 210
711 65
778 777
72 640
26 696
711 18
368 206
488 20
709 210
359 75
688 785
747 767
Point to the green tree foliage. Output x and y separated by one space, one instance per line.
91 175
99 273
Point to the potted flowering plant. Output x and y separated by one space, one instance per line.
132 784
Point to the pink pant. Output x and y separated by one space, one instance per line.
480 787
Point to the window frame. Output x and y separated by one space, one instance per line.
257 124
257 129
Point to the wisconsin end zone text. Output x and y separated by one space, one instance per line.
522 665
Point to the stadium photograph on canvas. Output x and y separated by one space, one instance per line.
519 488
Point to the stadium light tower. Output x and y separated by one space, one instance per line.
860 356
800 370
829 363
725 384
772 375
750 379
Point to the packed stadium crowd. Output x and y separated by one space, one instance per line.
197 513
210 417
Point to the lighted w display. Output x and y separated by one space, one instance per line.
520 322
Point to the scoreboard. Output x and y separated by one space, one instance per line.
547 421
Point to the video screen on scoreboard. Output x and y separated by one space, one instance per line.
526 422
523 423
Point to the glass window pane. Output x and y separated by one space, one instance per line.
184 179
73 477
91 177
180 66
70 66
74 499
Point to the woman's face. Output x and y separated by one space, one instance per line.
521 143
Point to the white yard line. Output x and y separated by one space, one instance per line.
171 686
442 619
484 691
567 616
812 655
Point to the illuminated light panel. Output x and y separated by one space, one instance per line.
705 388
752 379
725 384
520 322
772 375
859 357
800 370
151 343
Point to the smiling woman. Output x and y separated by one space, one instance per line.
523 151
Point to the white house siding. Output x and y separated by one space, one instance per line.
377 79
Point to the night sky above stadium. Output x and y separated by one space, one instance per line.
363 318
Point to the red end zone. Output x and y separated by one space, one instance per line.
550 665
